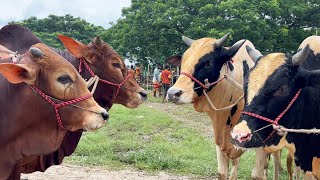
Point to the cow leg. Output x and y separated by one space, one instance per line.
258 170
223 162
297 172
289 165
15 173
276 164
309 176
234 169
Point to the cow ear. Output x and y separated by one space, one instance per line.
18 73
76 48
235 48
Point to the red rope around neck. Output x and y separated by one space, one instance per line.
58 105
275 122
118 85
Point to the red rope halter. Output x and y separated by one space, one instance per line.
118 85
207 86
58 105
275 122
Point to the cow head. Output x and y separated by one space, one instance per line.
56 77
107 64
204 59
269 88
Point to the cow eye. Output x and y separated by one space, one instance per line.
207 63
282 90
117 65
64 79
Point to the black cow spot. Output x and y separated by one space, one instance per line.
229 122
234 109
245 68
230 65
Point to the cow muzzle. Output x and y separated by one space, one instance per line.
241 133
174 94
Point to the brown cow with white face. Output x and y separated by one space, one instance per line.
29 89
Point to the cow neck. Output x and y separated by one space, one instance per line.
224 94
22 137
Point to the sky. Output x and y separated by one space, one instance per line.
98 12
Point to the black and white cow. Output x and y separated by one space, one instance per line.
276 81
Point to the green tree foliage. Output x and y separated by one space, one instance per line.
151 30
48 28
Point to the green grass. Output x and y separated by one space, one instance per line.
147 139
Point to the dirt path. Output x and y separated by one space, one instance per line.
71 172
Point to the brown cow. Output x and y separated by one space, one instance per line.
98 53
207 59
32 120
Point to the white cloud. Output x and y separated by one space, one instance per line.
98 12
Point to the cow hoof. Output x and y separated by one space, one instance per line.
256 178
222 176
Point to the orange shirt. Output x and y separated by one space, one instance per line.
138 72
166 75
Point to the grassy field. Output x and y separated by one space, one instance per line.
153 139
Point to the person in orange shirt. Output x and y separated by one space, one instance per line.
138 74
166 76
131 71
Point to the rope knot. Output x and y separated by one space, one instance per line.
280 129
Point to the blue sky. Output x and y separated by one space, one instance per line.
98 12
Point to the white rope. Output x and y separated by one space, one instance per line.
221 109
93 80
232 81
283 131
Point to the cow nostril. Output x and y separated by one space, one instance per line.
174 94
178 94
143 94
105 115
244 137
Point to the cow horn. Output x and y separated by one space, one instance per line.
254 54
300 56
36 52
187 40
98 41
222 41
235 48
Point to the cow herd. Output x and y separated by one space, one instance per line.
251 98
278 90
45 102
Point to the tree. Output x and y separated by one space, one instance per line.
150 30
48 28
